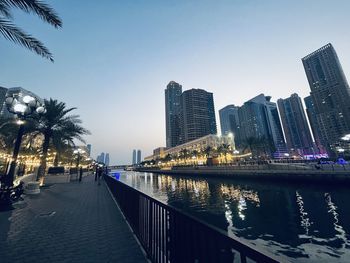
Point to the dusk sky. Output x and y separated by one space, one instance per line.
113 59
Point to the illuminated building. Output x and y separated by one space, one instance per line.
229 122
330 95
296 129
197 115
172 113
259 118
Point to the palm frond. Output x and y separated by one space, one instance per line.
4 10
45 12
13 33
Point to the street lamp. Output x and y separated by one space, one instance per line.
22 104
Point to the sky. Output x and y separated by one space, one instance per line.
113 59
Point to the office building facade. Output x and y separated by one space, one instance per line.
229 122
259 119
3 92
296 129
330 95
197 115
107 159
133 157
173 93
138 156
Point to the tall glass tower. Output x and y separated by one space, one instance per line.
330 94
296 129
229 122
172 113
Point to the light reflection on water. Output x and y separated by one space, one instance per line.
303 223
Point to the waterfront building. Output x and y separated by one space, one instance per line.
330 95
101 158
133 157
199 145
172 113
296 129
259 119
88 149
311 114
138 156
229 122
3 92
107 159
197 114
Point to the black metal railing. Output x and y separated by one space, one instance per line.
169 235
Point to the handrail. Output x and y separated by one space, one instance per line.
170 235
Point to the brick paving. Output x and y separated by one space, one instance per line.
74 222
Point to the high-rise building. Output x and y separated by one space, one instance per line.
259 118
172 113
138 156
16 92
311 114
296 129
88 146
101 158
197 114
3 92
134 157
330 95
107 159
229 122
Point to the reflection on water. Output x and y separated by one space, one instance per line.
303 223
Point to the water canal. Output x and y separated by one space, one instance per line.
305 223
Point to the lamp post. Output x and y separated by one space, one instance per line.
23 104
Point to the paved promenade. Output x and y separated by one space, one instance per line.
74 222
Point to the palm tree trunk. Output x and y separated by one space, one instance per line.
57 157
42 168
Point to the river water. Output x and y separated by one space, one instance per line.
304 223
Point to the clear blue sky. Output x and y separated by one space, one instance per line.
113 59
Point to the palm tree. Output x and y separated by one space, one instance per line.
224 149
184 154
207 151
11 32
55 124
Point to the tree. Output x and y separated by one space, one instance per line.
208 151
11 32
55 124
224 149
184 154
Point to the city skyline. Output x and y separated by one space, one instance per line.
218 56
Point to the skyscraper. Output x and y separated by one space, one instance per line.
107 159
197 114
138 156
311 114
172 113
229 122
101 158
3 92
88 146
259 118
134 157
330 95
296 129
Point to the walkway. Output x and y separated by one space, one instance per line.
75 222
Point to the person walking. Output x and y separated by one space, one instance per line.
96 172
81 174
100 172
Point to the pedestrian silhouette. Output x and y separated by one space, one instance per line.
81 174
